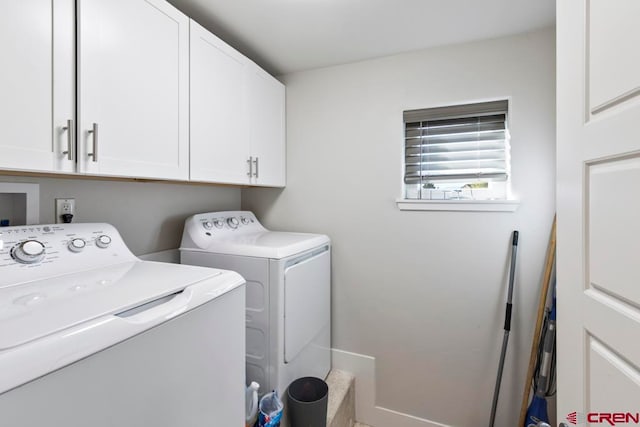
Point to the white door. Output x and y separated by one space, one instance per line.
219 123
37 43
134 89
598 211
267 118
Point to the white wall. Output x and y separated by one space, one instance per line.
149 215
422 292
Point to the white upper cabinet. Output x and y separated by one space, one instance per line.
133 85
237 116
158 96
219 126
36 110
266 99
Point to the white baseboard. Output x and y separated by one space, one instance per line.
367 412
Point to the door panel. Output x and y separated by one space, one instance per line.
608 313
134 59
614 69
31 119
598 171
64 85
613 218
219 123
608 370
306 303
267 118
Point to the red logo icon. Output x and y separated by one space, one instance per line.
576 418
573 418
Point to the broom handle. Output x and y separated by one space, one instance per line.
551 252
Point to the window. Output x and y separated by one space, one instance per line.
458 152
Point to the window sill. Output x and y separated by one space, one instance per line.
458 205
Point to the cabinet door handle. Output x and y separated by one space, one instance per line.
70 145
250 161
256 162
94 131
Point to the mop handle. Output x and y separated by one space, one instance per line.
507 328
512 271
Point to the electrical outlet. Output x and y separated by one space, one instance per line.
64 207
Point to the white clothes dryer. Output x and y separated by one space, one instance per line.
288 328
90 335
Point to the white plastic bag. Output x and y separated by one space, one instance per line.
270 410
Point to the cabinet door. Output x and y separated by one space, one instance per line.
219 125
267 118
37 42
134 89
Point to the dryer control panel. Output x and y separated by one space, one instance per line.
56 249
229 221
200 228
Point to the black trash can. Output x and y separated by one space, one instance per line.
307 398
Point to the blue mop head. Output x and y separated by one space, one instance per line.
537 412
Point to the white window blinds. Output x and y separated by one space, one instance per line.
462 143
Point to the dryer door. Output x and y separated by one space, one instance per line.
307 295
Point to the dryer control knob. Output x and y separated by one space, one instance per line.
28 252
233 222
103 241
77 245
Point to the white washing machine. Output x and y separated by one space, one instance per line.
288 292
92 336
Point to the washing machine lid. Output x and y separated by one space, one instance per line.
264 244
41 308
49 324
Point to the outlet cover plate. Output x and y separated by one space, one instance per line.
64 206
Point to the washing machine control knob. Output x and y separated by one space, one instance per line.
244 220
28 252
233 222
218 223
103 241
77 245
207 225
